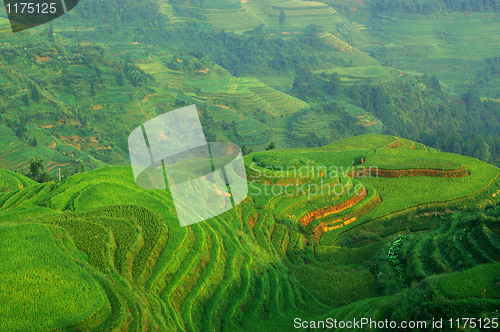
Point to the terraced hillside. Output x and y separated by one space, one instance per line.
242 16
167 9
445 46
232 17
365 74
285 252
251 94
427 178
12 181
65 119
334 40
251 104
57 107
5 29
328 124
298 13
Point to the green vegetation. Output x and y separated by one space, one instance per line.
363 142
478 281
306 88
13 181
393 257
317 58
273 256
298 13
416 160
38 266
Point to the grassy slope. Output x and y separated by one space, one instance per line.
12 181
218 298
37 269
298 13
397 194
238 271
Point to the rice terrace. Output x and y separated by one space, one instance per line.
143 269
367 133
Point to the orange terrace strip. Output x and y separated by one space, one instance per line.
395 145
43 59
304 221
322 227
253 220
74 138
55 164
69 122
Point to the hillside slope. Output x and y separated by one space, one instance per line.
274 257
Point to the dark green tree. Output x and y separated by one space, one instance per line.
311 37
50 33
271 146
335 85
302 75
44 177
26 100
282 17
34 142
487 5
496 5
120 78
35 94
245 150
411 8
466 6
20 131
477 5
36 171
434 83
355 94
303 84
484 151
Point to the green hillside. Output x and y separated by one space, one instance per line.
440 40
79 100
37 268
273 258
298 13
72 97
371 142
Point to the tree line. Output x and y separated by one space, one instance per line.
465 125
416 108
